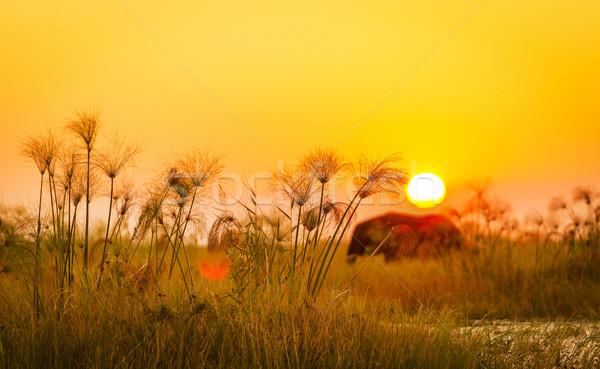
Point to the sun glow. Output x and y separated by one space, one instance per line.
426 190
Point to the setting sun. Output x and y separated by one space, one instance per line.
426 190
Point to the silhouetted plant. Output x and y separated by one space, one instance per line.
112 161
86 126
42 150
370 177
306 262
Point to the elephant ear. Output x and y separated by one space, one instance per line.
408 240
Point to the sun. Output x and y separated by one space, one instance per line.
426 190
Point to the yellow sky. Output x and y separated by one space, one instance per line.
512 94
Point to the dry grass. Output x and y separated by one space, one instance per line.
289 299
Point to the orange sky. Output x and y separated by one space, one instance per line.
512 93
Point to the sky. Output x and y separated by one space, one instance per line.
505 91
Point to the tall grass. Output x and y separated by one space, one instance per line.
290 252
121 326
42 151
112 162
86 127
290 299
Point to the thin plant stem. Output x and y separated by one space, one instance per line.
175 244
52 205
336 247
156 228
169 237
312 256
69 237
330 243
112 182
72 243
319 219
150 248
187 219
87 212
36 293
367 260
296 242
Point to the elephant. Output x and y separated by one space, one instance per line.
410 235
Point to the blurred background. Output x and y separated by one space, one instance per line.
510 94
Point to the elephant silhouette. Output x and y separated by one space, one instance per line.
411 235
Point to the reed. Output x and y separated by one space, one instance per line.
112 161
86 126
42 150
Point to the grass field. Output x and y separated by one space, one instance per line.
274 290
447 317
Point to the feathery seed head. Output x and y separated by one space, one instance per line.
86 125
585 194
43 150
70 159
116 157
534 218
557 203
201 167
310 218
222 232
151 210
173 177
32 148
78 186
323 164
296 183
334 210
378 176
125 197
